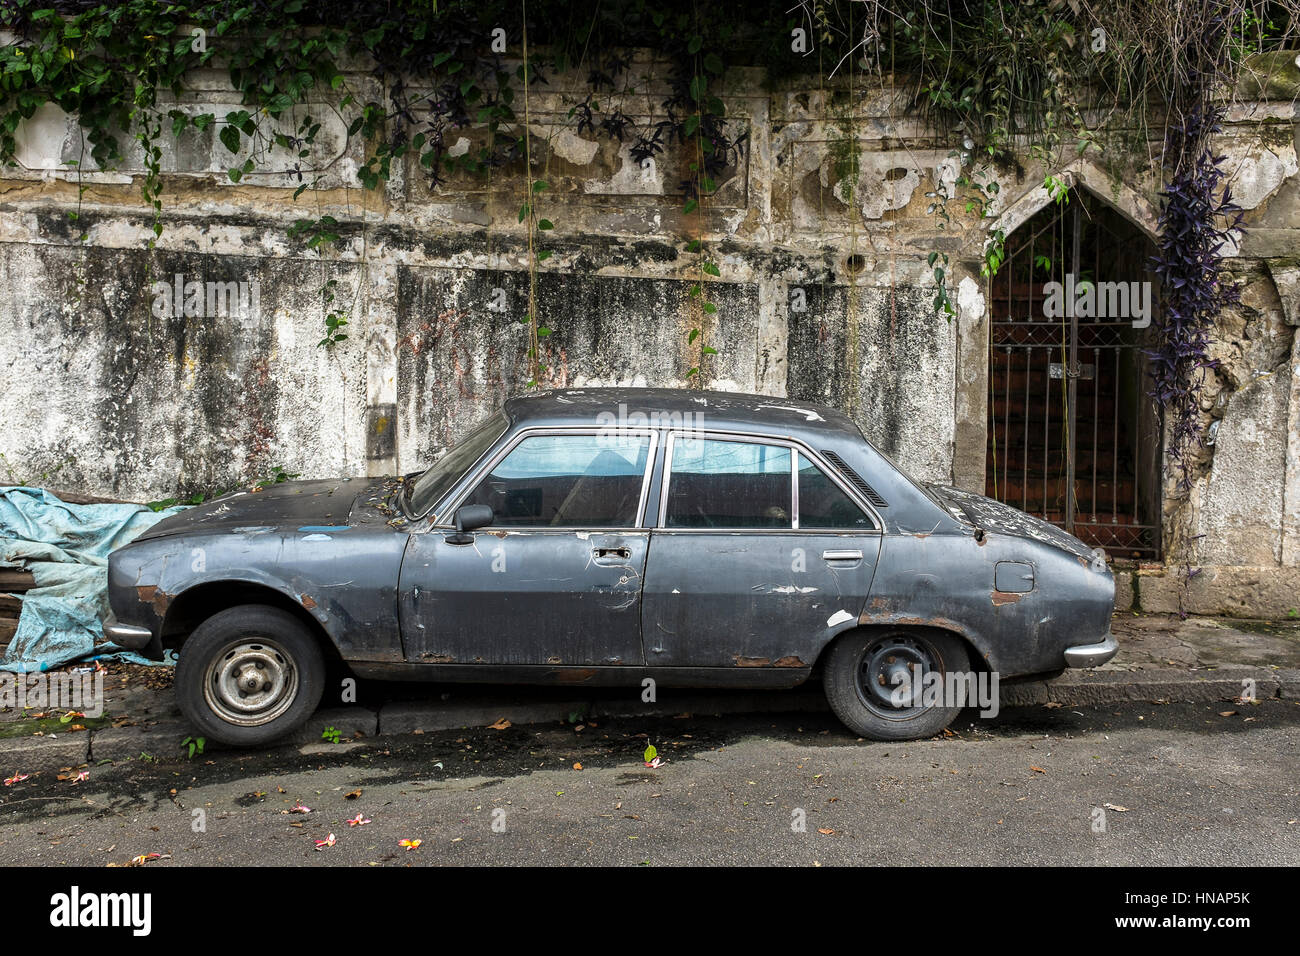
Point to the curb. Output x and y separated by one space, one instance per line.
1075 689
160 738
1087 688
43 755
348 721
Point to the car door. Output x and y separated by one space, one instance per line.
737 574
556 578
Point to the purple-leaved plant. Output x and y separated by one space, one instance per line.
1196 220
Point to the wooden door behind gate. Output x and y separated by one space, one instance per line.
1073 436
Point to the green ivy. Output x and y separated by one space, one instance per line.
986 71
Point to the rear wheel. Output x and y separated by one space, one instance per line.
249 675
876 682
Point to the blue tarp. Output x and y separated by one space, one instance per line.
66 548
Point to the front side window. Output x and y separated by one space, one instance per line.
567 481
824 506
728 484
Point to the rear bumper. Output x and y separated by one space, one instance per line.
127 635
1092 655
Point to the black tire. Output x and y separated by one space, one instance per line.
863 711
249 675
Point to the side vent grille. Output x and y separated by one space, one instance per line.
855 479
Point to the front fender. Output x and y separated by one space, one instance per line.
346 579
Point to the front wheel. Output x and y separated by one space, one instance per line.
882 684
249 675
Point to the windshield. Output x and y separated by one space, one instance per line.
437 481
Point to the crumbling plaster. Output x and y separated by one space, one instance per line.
824 294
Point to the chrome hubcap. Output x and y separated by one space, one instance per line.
251 682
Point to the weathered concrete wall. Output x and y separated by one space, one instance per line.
824 294
102 396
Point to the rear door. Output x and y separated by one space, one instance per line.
738 574
556 579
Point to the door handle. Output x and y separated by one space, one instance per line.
624 553
842 555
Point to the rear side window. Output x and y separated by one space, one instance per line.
728 484
567 481
823 505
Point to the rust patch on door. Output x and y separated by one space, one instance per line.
1005 597
752 661
790 661
307 602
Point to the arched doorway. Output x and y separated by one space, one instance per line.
1073 436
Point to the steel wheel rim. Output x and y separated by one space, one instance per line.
882 661
251 682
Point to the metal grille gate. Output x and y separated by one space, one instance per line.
1072 434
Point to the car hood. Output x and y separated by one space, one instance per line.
994 517
300 505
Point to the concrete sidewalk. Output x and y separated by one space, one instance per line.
1161 659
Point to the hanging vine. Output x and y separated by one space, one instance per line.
1052 79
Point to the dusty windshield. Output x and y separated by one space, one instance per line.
437 481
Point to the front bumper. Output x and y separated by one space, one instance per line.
1092 655
127 635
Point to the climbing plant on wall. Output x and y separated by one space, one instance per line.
1050 78
1197 222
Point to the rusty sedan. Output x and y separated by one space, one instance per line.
607 537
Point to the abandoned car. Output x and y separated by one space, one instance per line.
607 536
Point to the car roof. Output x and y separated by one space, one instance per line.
692 409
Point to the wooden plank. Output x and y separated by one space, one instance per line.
13 604
16 581
76 498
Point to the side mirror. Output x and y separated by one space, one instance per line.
472 517
469 518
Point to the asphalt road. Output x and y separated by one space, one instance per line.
1031 787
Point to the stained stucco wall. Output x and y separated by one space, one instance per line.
824 294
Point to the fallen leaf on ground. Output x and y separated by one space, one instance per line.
501 724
